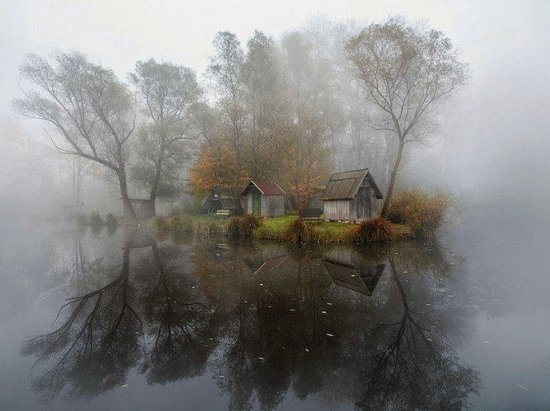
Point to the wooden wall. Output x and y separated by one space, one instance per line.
363 206
273 206
337 210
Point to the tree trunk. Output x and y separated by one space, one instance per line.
154 188
126 202
393 177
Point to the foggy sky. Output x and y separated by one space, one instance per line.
495 133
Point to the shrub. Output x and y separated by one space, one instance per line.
207 228
181 224
374 230
300 232
423 211
242 227
111 220
162 223
95 218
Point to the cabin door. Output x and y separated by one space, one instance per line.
363 202
256 202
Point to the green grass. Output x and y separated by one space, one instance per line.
277 228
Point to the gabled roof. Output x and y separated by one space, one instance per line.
344 185
267 188
349 276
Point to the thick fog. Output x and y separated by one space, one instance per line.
492 142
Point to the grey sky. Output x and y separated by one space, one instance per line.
501 113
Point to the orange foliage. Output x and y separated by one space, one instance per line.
216 168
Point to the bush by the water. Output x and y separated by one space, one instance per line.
242 227
421 210
374 230
95 218
181 224
111 220
300 232
162 223
207 228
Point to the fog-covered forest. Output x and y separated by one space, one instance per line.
291 105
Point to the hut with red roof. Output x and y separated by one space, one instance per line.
264 198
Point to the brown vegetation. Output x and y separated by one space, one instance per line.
421 210
374 230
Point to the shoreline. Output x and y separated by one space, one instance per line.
272 228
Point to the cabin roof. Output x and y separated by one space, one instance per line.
344 185
267 188
348 276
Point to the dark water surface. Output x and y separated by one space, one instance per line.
123 320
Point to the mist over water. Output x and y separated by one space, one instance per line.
143 321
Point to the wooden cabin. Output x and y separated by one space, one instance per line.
264 198
350 196
219 199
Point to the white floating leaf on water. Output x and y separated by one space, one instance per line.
125 385
329 303
353 275
429 339
292 309
323 312
428 304
307 350
260 358
330 335
261 285
523 387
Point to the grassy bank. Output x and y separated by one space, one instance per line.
273 229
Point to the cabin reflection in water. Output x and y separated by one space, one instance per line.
263 320
351 271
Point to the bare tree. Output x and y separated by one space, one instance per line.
406 73
225 69
91 112
169 92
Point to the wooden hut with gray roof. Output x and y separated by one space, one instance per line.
351 196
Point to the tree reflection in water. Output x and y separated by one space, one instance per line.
374 327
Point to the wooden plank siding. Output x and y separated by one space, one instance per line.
350 196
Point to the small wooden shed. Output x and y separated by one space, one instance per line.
219 199
350 196
264 198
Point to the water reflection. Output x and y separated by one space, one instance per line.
375 328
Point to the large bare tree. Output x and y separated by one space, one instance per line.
405 73
225 69
91 112
169 93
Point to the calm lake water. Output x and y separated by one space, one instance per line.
123 320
